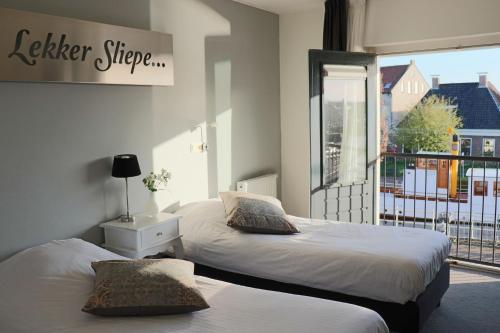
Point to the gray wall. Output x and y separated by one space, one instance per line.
57 140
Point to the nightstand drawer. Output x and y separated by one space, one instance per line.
159 234
148 235
121 238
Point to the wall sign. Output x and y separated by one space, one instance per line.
39 47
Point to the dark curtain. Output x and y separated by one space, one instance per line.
335 29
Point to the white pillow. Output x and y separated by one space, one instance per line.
230 199
47 284
254 213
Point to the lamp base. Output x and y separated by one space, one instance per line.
125 218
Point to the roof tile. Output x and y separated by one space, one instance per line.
391 75
477 106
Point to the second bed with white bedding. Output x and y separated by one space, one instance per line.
382 263
44 288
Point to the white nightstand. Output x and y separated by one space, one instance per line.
148 235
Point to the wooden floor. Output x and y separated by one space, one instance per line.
471 304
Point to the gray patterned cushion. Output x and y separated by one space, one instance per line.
255 213
144 288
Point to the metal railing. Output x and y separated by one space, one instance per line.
332 164
420 191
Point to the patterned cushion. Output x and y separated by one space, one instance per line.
143 288
255 213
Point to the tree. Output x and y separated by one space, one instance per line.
428 125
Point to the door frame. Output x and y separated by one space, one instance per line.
317 59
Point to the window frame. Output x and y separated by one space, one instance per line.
478 184
330 148
493 146
317 60
470 146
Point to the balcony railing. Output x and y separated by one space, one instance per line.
456 195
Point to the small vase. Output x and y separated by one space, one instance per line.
152 207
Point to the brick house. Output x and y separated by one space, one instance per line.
478 103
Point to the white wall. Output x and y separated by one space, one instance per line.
299 32
57 140
227 72
409 25
391 26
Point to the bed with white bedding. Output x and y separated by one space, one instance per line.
43 289
385 264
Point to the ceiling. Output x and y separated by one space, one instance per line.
283 6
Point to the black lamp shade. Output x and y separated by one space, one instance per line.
125 166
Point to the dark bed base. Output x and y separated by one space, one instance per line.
407 317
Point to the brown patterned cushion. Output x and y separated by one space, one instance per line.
255 213
144 288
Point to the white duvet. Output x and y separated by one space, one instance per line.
43 289
382 263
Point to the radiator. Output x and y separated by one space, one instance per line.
266 185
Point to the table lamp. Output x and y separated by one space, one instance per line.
125 166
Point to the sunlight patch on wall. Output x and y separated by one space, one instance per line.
189 170
224 124
178 110
174 16
224 150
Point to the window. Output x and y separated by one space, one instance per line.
422 88
424 163
415 90
409 87
489 147
480 188
344 125
496 188
465 146
402 87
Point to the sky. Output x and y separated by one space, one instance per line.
453 66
